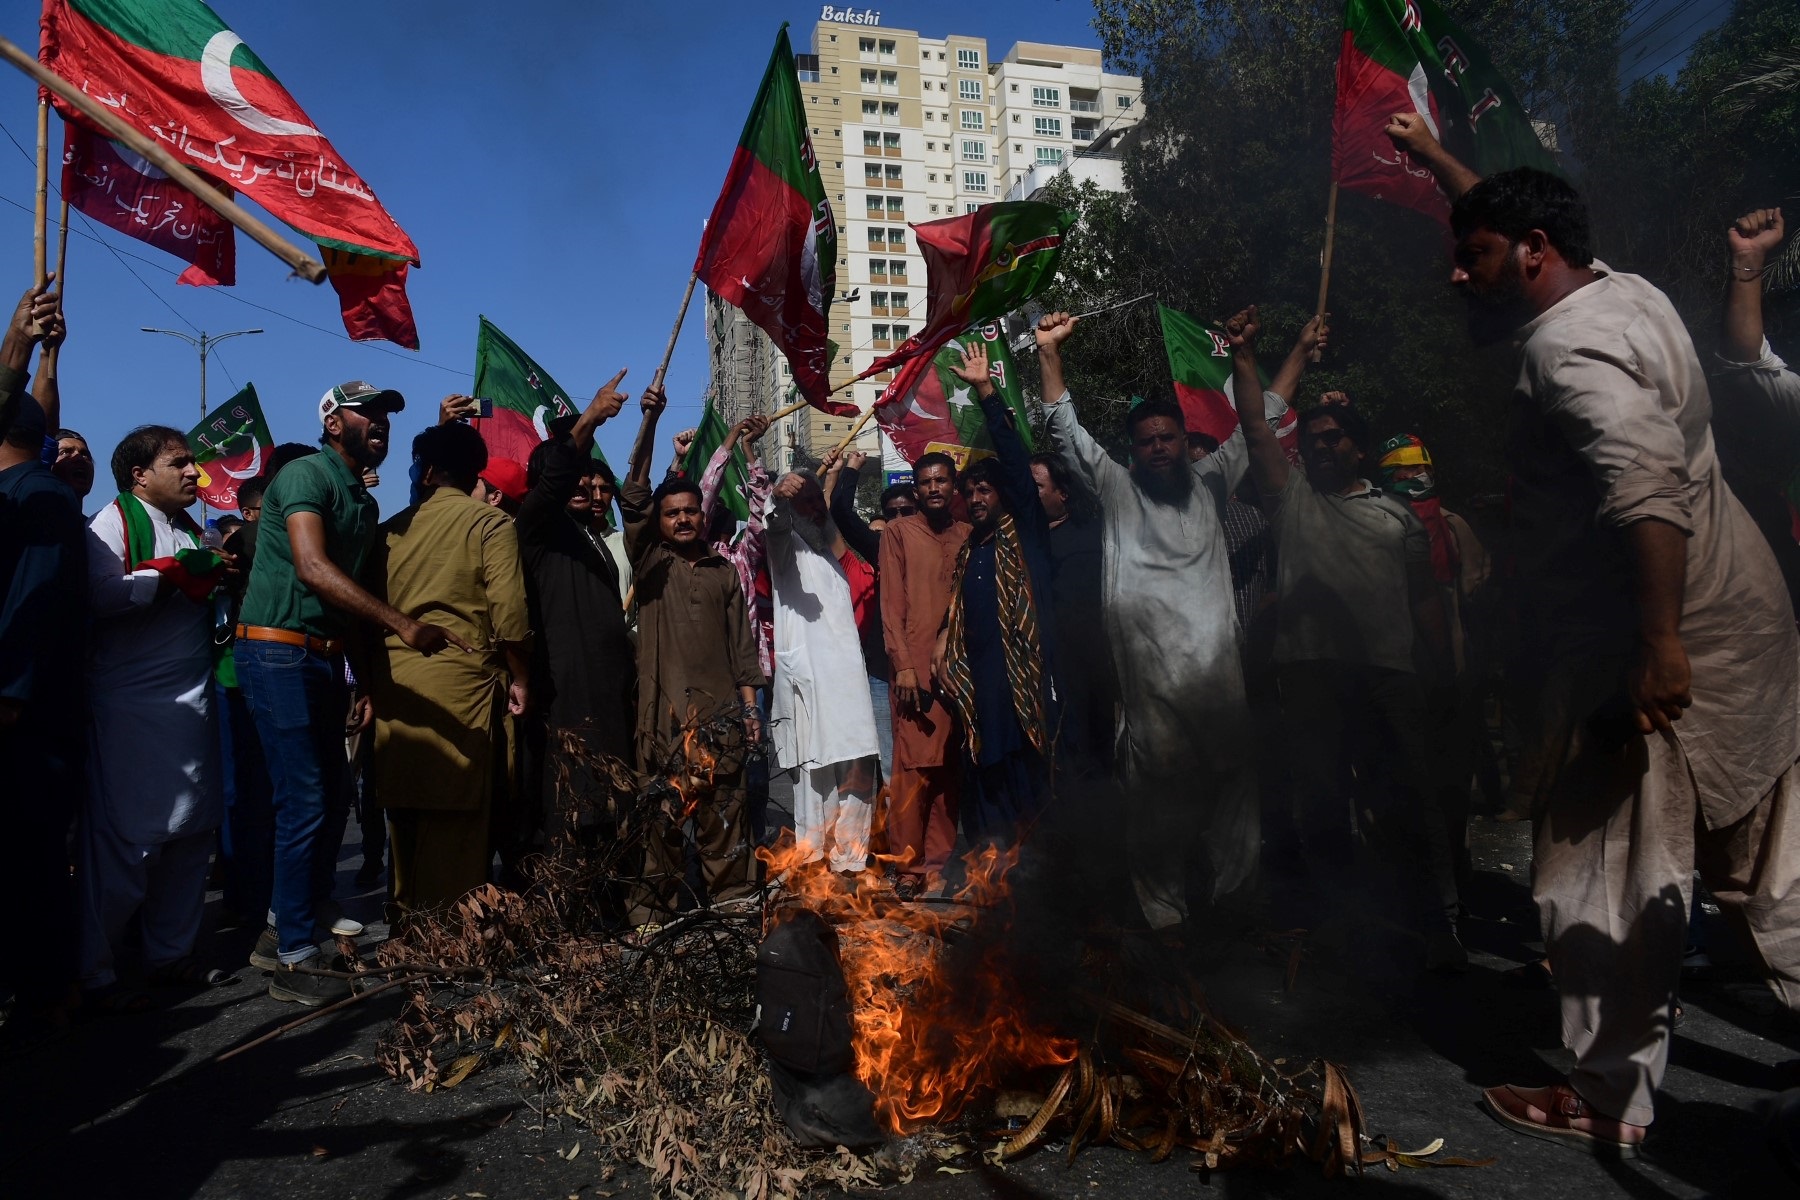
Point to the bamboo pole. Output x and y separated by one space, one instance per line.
302 263
40 224
47 359
1325 260
856 428
675 333
789 411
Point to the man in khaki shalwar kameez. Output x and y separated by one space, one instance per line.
1670 705
439 752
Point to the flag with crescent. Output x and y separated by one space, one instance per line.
174 71
229 445
527 400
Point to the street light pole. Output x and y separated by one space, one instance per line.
204 344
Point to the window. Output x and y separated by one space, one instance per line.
971 207
931 177
896 239
969 89
872 174
934 208
890 113
1047 126
870 108
968 60
878 270
878 304
865 47
975 181
882 336
931 116
871 140
890 81
886 49
873 204
897 270
974 151
1046 97
1015 117
1083 133
893 176
1018 149
1015 87
895 208
1049 156
1124 101
828 427
924 56
931 145
1089 103
877 238
940 56
868 80
902 332
899 302
974 118
891 141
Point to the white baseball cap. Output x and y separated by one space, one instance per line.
362 396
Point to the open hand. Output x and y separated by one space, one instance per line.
973 369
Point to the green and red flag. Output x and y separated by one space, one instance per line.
525 397
1408 56
229 444
770 247
978 267
734 486
173 70
1200 368
940 413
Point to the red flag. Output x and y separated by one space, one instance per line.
124 192
372 292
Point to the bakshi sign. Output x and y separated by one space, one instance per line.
850 16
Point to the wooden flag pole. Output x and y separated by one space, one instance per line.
303 264
789 411
40 225
856 428
47 359
675 333
1325 261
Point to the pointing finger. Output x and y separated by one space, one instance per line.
614 381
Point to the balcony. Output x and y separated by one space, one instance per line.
877 276
891 151
880 310
1088 106
1084 133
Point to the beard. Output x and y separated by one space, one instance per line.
356 445
1499 310
1172 486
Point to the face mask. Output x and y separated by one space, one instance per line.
1419 487
416 473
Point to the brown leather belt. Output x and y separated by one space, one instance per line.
289 637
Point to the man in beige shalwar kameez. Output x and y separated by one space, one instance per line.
1671 698
439 755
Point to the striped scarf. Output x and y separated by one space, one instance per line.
1019 631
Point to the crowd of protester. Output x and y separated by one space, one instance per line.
1278 652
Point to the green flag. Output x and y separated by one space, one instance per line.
525 397
734 488
228 445
940 413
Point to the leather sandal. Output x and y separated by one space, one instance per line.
1509 1105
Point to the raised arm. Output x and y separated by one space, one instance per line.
602 408
865 541
1268 465
652 403
1313 336
1085 457
44 388
1411 134
1009 448
1751 240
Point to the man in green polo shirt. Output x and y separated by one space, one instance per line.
300 608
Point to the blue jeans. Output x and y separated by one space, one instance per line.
248 835
298 701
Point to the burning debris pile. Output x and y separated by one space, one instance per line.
644 1037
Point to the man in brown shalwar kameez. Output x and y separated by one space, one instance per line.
1670 707
918 562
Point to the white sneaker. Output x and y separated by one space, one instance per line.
332 920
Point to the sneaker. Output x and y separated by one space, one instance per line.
299 987
266 955
329 922
1444 953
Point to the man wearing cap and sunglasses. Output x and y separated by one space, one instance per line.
302 603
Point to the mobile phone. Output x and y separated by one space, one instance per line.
483 408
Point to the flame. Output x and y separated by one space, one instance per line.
926 1043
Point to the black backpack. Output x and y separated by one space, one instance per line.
803 1005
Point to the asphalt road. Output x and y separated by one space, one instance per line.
131 1106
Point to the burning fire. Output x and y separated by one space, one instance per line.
926 1043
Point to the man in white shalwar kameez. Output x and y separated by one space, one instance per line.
822 715
1185 746
154 788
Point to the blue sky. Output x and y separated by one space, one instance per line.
552 160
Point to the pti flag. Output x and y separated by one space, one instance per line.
525 398
940 412
978 267
770 246
122 191
1200 368
734 486
229 444
172 70
1408 56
